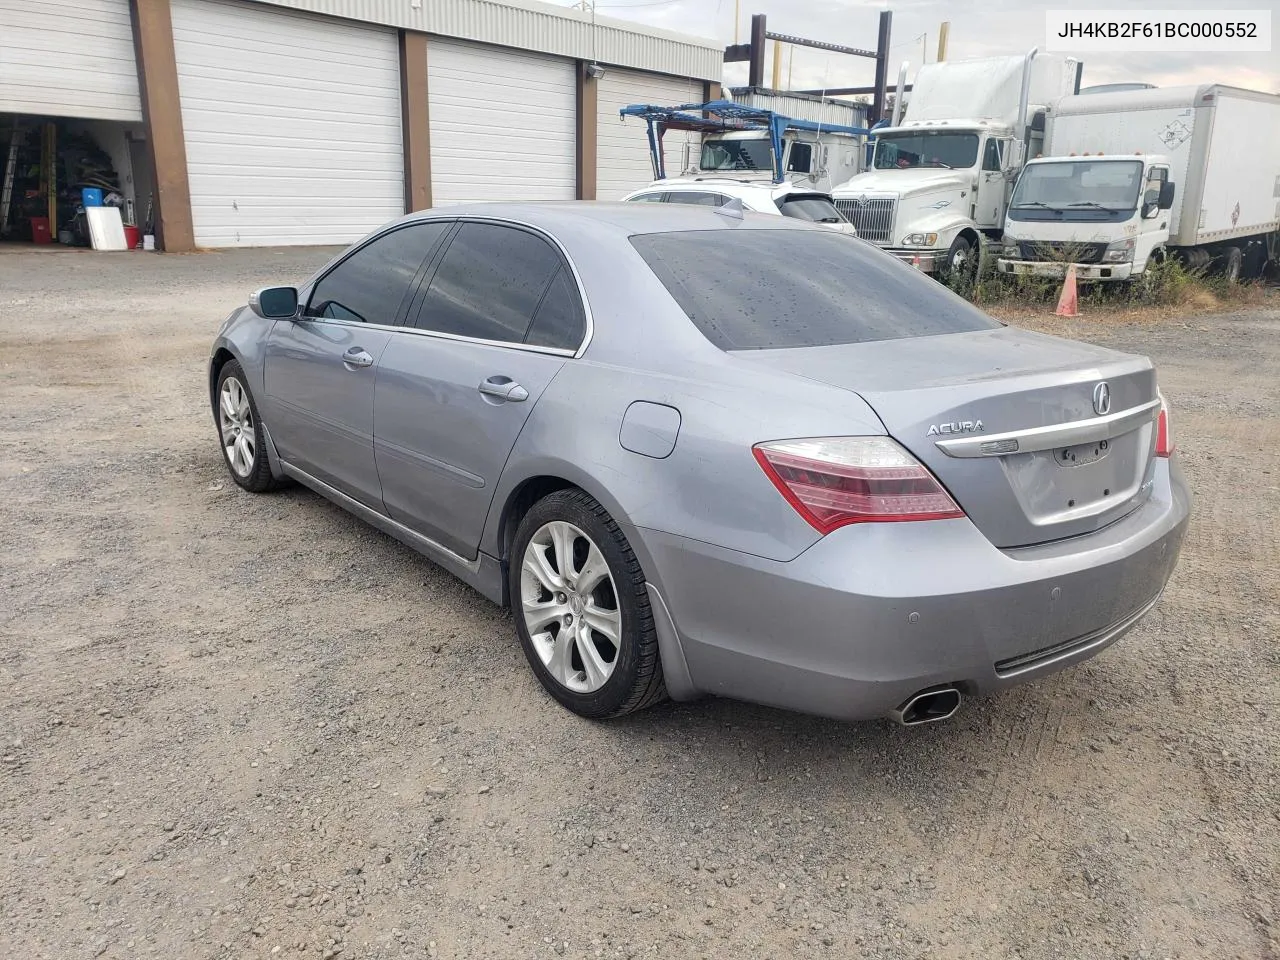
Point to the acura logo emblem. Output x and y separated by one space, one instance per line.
1102 399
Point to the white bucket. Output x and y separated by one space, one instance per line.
148 242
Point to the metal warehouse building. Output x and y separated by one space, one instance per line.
258 122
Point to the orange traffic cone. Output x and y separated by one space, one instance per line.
915 261
1067 303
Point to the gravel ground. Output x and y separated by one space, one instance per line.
241 726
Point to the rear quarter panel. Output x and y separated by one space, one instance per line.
710 487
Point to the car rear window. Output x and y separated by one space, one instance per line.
764 289
815 208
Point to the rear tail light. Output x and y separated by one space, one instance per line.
1164 440
835 481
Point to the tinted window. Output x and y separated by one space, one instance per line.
558 321
804 289
369 285
647 198
697 198
489 284
816 209
800 158
991 156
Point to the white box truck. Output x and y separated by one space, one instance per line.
940 177
1132 176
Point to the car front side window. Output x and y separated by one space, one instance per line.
370 286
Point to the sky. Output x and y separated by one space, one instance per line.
990 28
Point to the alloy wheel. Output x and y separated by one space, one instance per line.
570 606
235 421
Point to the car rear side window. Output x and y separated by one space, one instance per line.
489 284
762 289
558 321
697 198
812 207
370 285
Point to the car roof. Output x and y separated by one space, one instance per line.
625 218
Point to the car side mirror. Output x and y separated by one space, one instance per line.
274 303
1166 196
1149 209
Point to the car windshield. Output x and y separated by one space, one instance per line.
926 149
765 289
736 155
815 208
1111 184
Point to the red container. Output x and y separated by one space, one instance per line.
40 230
132 237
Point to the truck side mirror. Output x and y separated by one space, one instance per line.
685 157
1166 196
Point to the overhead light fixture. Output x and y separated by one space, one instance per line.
594 71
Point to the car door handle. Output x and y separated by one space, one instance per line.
504 388
356 357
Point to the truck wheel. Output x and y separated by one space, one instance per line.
962 260
1232 262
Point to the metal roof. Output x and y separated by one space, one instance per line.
533 25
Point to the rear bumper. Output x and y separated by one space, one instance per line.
873 613
1084 271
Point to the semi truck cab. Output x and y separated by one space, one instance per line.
1107 214
932 191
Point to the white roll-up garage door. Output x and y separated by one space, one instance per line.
68 58
622 147
502 124
292 124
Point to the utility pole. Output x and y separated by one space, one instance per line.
755 74
943 32
737 21
882 64
777 64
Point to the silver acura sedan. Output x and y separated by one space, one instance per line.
698 451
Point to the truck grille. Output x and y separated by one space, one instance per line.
1065 252
873 219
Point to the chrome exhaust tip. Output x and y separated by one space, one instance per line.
928 706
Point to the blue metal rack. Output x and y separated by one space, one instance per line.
721 116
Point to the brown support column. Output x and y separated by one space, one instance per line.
162 114
585 152
711 91
415 120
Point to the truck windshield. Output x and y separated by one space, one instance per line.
1108 184
926 149
736 155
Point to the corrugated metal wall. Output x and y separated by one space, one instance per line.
502 123
845 113
622 148
542 27
68 58
292 124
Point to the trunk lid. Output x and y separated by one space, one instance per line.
1014 424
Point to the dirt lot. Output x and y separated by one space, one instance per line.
239 726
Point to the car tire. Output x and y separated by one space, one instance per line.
240 434
589 635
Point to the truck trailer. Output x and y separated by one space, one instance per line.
1131 177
